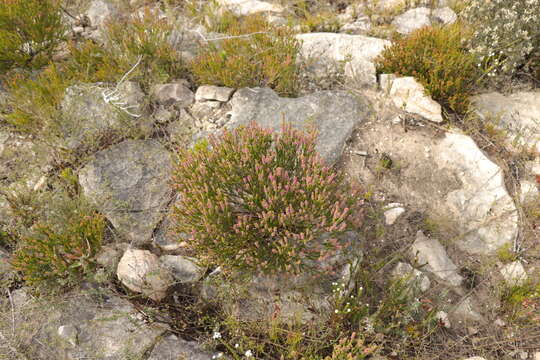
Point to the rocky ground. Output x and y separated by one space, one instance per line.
453 212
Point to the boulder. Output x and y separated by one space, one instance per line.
444 15
412 19
171 347
516 113
91 111
142 272
409 95
333 113
177 94
129 183
250 7
430 254
354 53
210 92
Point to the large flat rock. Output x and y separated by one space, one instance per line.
128 182
333 113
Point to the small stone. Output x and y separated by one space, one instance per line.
184 269
499 322
409 95
514 273
523 355
163 115
443 318
528 191
393 212
411 20
416 277
466 310
78 30
210 92
431 253
69 334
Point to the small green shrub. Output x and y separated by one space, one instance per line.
253 54
59 250
436 57
506 36
30 31
351 348
258 200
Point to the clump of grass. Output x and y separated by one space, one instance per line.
254 54
30 32
436 57
259 201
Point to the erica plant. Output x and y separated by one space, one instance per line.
259 200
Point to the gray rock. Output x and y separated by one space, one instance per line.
109 255
358 26
250 7
416 279
444 15
184 269
355 53
409 95
142 272
90 111
467 311
128 182
290 298
516 113
93 324
412 19
514 273
210 92
100 11
173 94
333 113
171 347
431 253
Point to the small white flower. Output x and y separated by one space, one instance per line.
236 346
217 335
336 311
248 354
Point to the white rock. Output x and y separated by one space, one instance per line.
99 11
357 51
393 212
210 92
417 278
444 15
482 205
517 113
528 191
409 95
443 318
361 24
514 273
182 268
68 333
411 20
431 253
140 271
249 7
467 310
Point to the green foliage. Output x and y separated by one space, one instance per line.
507 36
30 31
60 255
316 20
436 58
254 54
258 200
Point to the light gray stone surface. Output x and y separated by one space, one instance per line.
412 19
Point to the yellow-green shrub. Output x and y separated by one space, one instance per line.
436 58
30 31
253 54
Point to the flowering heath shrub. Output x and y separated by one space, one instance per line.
257 200
436 58
506 36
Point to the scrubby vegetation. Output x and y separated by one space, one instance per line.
251 200
436 57
259 201
30 32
